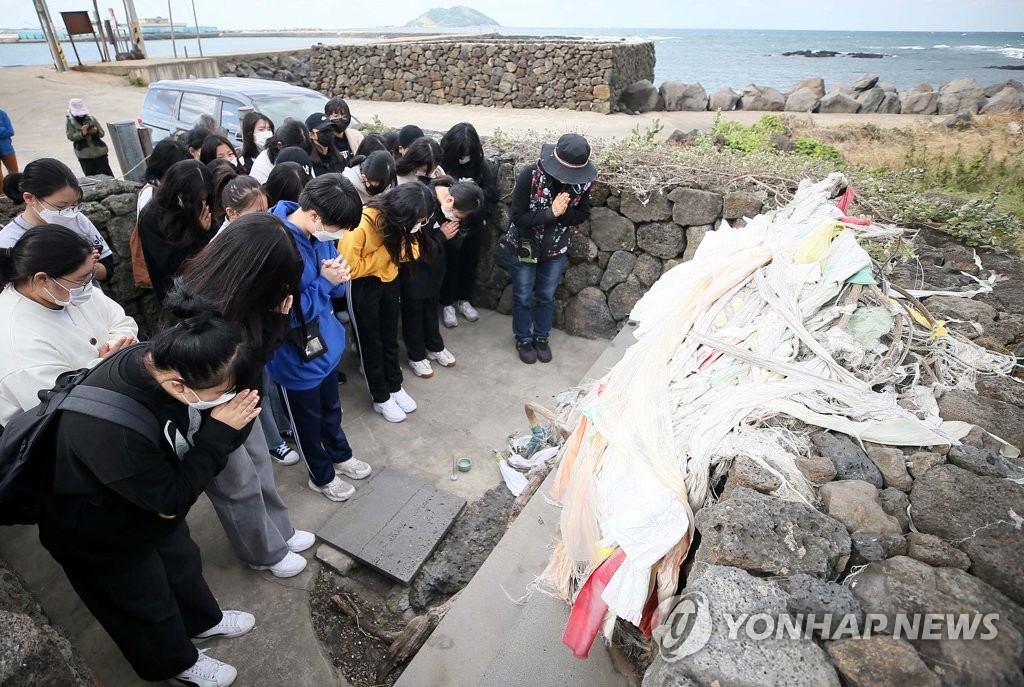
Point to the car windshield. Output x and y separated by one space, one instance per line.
295 105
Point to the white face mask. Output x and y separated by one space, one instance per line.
65 217
76 296
322 234
416 227
449 213
200 404
464 160
261 138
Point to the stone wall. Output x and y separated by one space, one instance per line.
889 530
32 650
575 75
292 66
616 256
110 205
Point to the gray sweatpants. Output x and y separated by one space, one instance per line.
245 497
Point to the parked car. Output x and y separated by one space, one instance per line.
173 105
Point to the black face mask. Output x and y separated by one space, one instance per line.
340 125
375 190
424 178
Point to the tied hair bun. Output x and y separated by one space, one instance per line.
190 311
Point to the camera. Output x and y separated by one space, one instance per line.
525 252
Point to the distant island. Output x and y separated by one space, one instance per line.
452 17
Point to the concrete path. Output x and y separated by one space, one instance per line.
36 99
466 410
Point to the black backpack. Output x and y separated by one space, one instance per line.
27 445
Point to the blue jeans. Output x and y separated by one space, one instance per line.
533 296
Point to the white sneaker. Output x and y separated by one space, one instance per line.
390 410
444 357
448 315
300 541
233 624
206 672
335 490
353 468
422 368
289 566
468 311
404 401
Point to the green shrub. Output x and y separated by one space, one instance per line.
805 145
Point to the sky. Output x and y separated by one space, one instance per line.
853 15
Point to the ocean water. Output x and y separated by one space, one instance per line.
714 57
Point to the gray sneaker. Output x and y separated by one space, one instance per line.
336 490
353 468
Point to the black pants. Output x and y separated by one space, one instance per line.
460 277
96 165
374 309
316 416
151 604
420 328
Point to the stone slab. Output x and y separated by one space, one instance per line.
393 523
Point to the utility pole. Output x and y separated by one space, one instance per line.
51 36
134 28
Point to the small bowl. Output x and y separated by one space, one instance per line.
464 464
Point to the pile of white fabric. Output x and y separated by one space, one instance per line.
783 318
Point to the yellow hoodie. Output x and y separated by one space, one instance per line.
364 251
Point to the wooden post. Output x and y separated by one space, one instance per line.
199 41
170 20
75 48
101 45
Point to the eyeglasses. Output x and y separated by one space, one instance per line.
66 211
91 278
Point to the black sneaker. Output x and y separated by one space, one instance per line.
527 353
284 455
543 350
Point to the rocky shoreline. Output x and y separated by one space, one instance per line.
866 95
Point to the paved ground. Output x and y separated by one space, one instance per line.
467 410
36 99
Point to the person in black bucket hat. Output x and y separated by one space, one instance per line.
549 197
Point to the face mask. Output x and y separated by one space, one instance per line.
261 138
76 296
373 190
322 234
449 214
339 125
464 160
416 227
200 404
424 178
62 217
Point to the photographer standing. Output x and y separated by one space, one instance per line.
86 134
549 197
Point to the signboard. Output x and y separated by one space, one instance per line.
77 23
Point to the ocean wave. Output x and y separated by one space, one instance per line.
1016 53
941 46
918 47
1008 51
